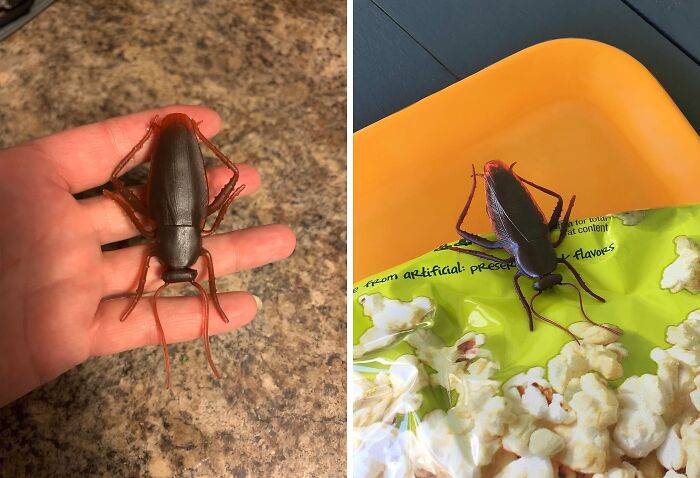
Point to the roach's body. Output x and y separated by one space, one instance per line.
175 211
177 199
523 232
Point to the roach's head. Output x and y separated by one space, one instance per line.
548 281
495 166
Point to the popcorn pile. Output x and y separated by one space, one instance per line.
381 449
562 421
466 437
443 444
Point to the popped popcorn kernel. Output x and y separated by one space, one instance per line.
643 393
593 334
544 443
450 450
676 381
684 272
685 338
595 405
631 218
671 453
587 448
639 432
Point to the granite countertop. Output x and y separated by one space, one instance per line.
275 71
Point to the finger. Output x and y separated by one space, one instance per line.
181 318
86 156
232 252
111 223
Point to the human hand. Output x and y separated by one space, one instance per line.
55 279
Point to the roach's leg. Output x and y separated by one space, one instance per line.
483 255
129 197
129 210
230 164
161 336
212 284
476 239
117 171
205 329
519 291
139 289
554 219
580 280
222 211
549 321
500 260
134 201
565 223
580 302
224 195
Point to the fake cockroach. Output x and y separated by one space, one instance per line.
175 210
522 232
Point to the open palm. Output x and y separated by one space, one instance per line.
54 277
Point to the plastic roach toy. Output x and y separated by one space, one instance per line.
522 232
175 209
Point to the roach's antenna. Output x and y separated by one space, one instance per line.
162 337
580 301
532 307
205 328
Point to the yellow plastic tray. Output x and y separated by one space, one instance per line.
580 117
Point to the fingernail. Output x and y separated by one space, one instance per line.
258 301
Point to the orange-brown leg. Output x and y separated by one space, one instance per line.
127 195
223 195
212 284
223 199
215 150
139 289
205 329
476 239
222 212
161 336
122 164
554 218
131 212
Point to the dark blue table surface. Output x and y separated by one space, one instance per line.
405 50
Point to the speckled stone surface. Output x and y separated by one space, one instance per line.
275 71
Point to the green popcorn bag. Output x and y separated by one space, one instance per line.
450 382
